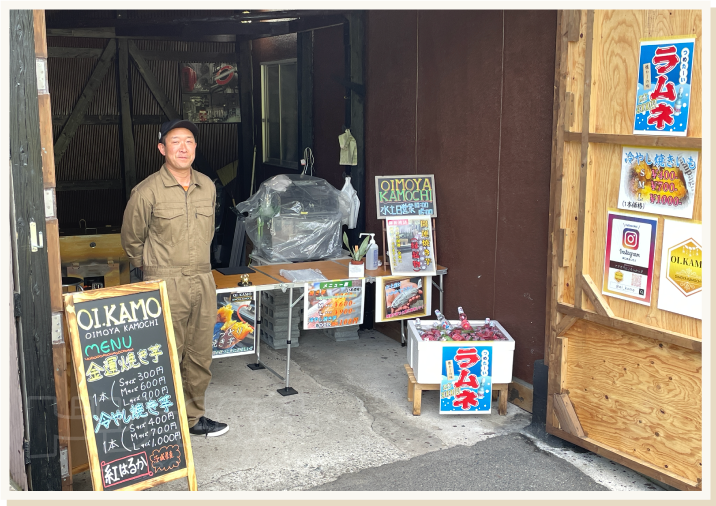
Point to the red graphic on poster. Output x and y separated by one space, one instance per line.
465 398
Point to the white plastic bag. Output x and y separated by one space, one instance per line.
355 202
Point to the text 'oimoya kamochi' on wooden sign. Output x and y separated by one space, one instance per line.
405 196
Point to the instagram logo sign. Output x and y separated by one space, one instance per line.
630 238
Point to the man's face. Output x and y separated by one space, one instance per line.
178 149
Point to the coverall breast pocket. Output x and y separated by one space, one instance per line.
205 222
168 223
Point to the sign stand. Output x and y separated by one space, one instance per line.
122 371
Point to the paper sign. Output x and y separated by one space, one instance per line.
681 279
235 320
629 258
663 91
410 246
402 297
332 304
658 181
210 92
466 384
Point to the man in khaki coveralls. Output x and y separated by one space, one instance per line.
167 231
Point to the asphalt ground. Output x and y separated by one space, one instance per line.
506 463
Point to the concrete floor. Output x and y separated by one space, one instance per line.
351 414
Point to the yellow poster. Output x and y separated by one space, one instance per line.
681 286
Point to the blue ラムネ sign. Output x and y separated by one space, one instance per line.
466 385
663 89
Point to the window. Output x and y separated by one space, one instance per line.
279 113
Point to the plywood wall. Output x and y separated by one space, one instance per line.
638 395
613 93
631 372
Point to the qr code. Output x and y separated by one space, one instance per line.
636 280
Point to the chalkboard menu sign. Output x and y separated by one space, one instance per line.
130 387
405 196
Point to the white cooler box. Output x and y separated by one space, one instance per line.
425 357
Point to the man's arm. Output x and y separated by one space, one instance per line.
135 227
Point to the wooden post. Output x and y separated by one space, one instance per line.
130 167
52 239
36 352
555 210
584 167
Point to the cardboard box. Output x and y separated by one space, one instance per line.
425 356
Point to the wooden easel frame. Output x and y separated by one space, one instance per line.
94 464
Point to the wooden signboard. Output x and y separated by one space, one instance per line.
409 195
130 387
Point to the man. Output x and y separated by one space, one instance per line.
167 231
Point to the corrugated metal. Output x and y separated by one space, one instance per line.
94 153
17 424
95 150
97 207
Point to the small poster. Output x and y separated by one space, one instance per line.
658 181
629 258
681 279
410 246
235 320
412 195
210 92
402 297
663 89
466 384
331 304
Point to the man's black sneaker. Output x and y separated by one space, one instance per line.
208 428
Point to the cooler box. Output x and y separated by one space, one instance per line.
425 356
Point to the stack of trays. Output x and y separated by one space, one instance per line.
274 319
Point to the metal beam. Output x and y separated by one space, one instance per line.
75 119
305 90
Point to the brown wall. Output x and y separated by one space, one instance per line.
467 96
328 103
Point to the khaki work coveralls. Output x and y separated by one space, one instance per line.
168 231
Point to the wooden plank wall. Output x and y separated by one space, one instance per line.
59 352
632 372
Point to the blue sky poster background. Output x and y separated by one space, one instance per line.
484 405
648 49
